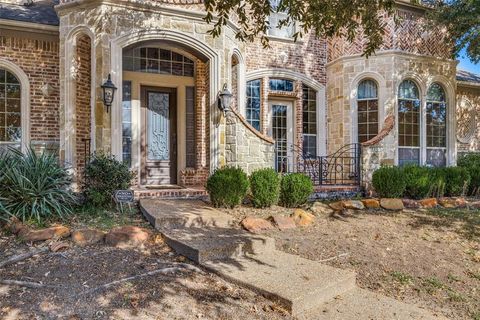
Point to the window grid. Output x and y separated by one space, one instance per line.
156 60
436 126
127 122
409 131
309 122
279 134
190 127
10 109
367 119
253 103
281 85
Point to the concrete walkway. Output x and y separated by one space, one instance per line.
305 288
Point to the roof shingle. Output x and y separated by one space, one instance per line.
41 12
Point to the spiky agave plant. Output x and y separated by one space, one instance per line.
34 186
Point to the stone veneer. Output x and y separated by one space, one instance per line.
38 56
469 95
246 147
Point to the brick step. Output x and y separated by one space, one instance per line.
170 193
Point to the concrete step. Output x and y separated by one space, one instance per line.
360 304
295 283
214 243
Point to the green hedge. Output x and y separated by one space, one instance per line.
457 180
471 162
265 187
417 181
227 187
389 182
296 188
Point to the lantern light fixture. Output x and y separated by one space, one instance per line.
108 89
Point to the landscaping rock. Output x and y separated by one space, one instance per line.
391 204
256 225
15 226
303 218
353 204
85 237
371 203
474 205
448 203
321 208
127 236
410 203
461 203
428 203
44 234
336 206
283 222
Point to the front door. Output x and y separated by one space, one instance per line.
159 145
281 130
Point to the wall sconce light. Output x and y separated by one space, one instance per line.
108 89
225 99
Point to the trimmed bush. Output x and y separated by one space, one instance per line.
417 181
34 187
265 187
389 182
295 190
103 175
471 162
437 183
227 187
457 180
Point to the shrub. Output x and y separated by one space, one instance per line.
34 186
265 187
103 175
295 190
389 182
417 181
471 162
457 180
227 187
437 183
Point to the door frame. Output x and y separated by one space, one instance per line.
172 134
290 126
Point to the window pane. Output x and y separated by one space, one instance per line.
281 85
10 108
253 103
408 156
127 122
408 122
408 90
367 89
309 122
436 93
367 119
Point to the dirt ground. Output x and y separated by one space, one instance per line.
181 295
429 258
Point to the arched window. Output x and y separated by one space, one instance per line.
10 110
253 103
367 110
436 126
408 123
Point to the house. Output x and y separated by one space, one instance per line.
293 103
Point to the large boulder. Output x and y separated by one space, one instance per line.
303 218
55 232
85 237
336 206
320 208
428 203
283 222
392 204
256 225
353 205
127 237
371 203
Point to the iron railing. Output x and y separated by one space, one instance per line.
342 168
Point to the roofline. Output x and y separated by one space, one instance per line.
468 84
29 26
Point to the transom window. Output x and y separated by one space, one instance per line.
274 21
436 126
367 110
253 103
280 85
157 60
309 122
10 110
408 123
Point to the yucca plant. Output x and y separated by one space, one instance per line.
34 186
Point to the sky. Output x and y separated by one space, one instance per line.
466 64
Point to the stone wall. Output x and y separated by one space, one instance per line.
246 147
468 119
38 57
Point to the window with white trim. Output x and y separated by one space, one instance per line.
10 110
309 122
408 123
436 126
274 19
367 110
252 109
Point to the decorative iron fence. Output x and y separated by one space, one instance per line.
342 168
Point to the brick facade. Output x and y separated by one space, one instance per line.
38 58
